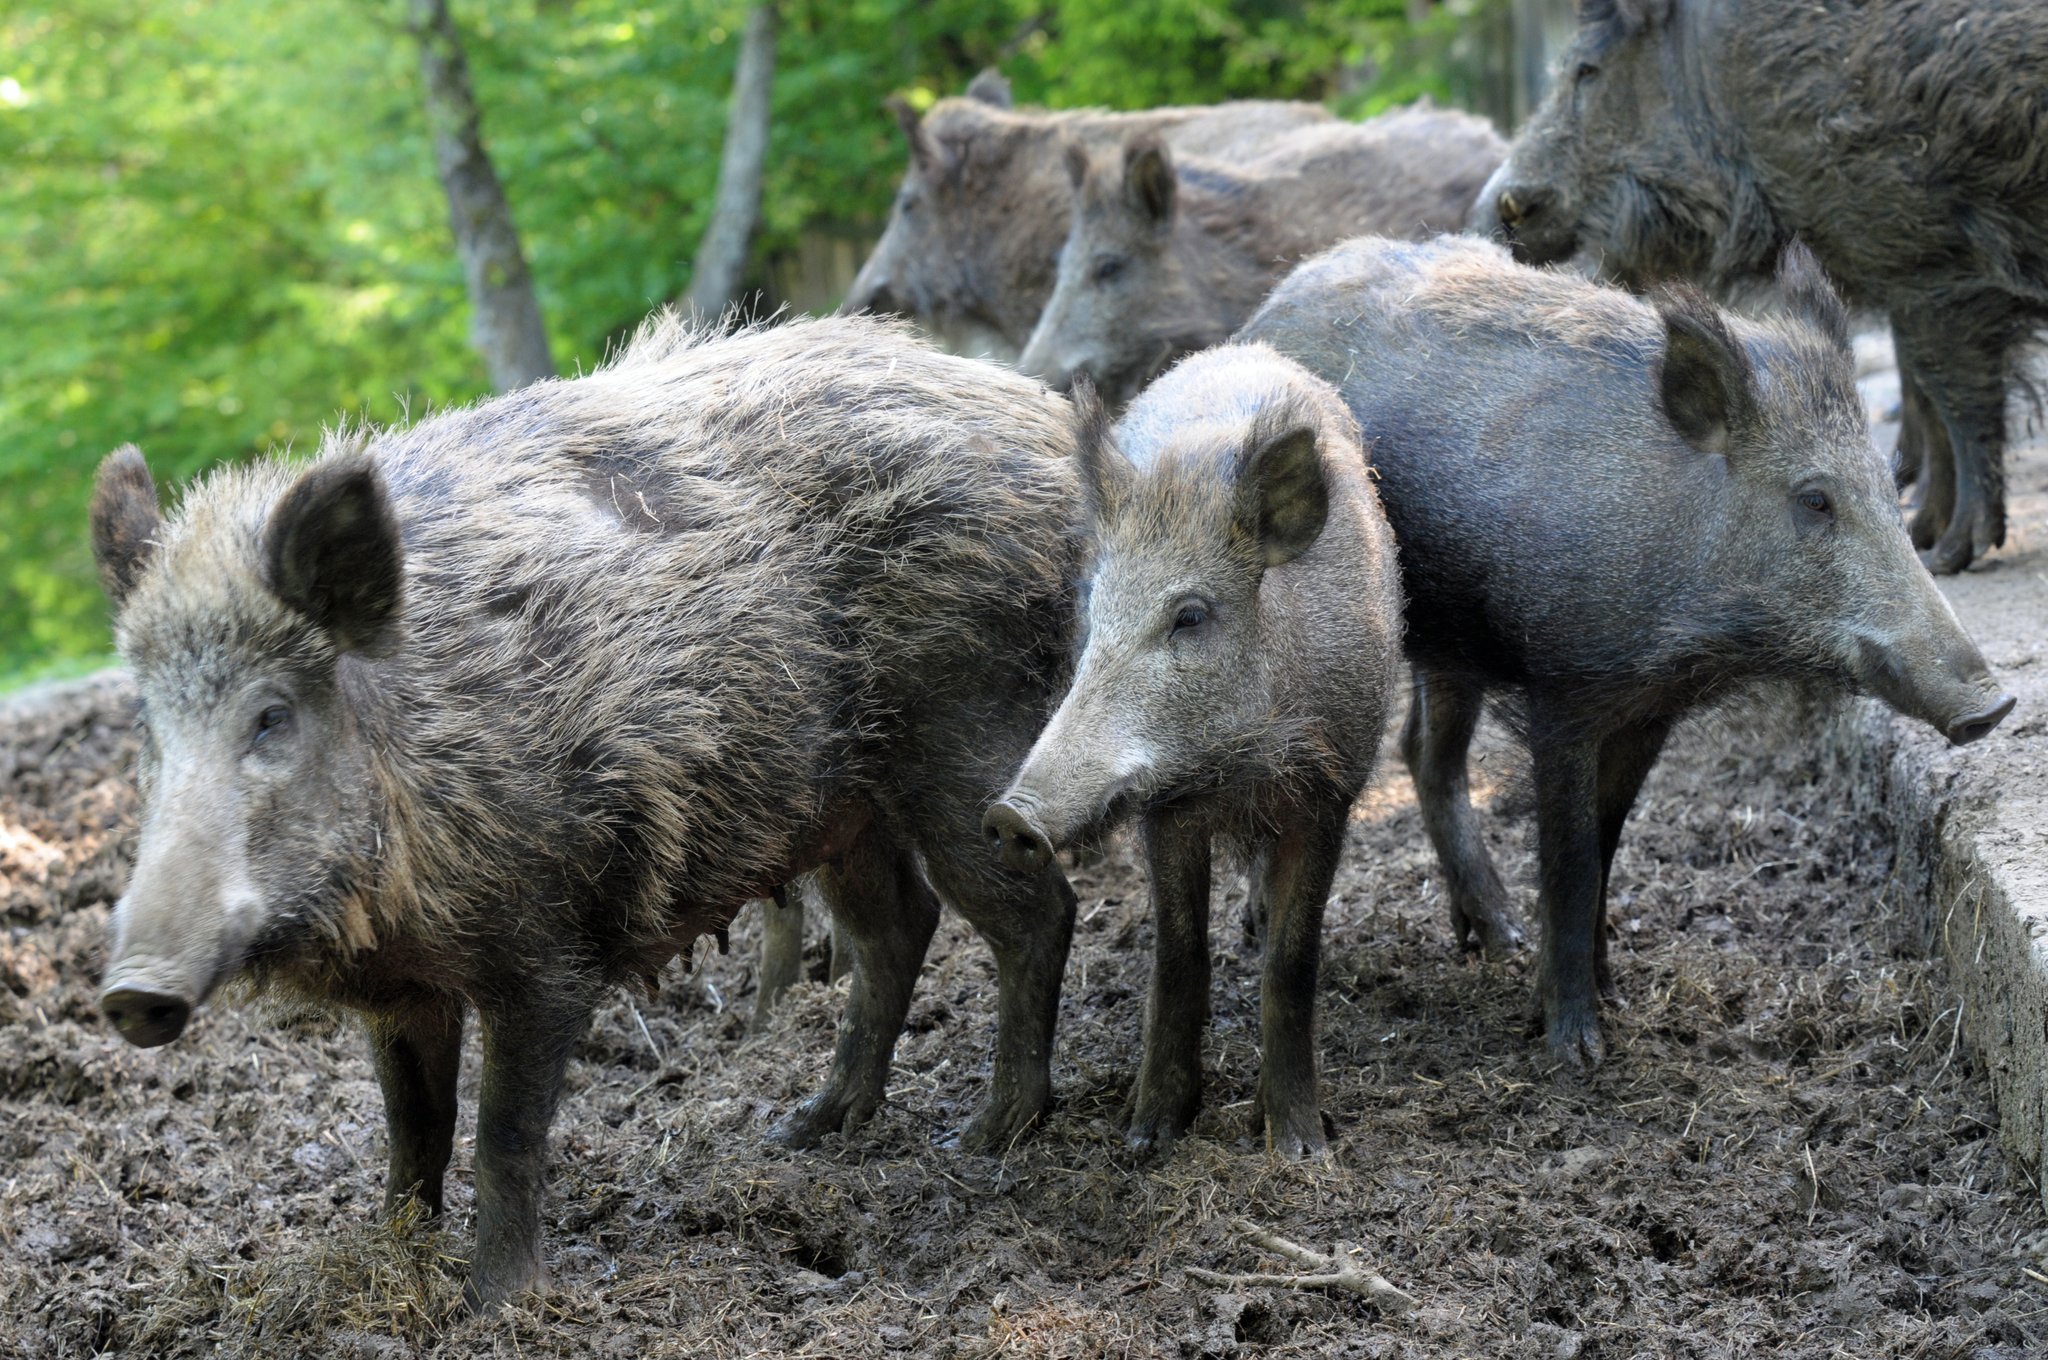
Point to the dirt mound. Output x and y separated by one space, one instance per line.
1787 1153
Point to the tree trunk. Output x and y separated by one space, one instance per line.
506 326
722 255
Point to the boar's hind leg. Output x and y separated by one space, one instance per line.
1028 921
1169 1089
528 1034
1625 760
418 1053
1963 377
883 910
1299 871
782 951
1569 874
1443 712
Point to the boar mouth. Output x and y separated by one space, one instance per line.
1017 830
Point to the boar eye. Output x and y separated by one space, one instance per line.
269 721
1190 616
1587 70
1817 501
1108 267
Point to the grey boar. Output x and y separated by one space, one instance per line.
975 232
1612 512
502 709
1242 628
1168 254
1904 144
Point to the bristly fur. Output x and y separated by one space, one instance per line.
659 624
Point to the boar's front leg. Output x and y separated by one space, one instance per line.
418 1053
1300 869
1625 760
1443 713
528 1034
1169 1090
1028 920
1569 878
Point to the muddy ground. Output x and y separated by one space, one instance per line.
1788 1153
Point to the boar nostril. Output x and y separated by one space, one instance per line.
1972 726
1015 838
145 1018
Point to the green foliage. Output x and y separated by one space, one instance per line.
221 230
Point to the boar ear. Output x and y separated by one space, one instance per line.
1076 156
1105 473
1632 16
990 87
1810 296
331 551
1282 498
1703 377
912 123
124 521
1148 178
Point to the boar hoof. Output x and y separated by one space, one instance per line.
1490 929
825 1113
486 1291
1154 1137
1575 1044
1925 526
998 1127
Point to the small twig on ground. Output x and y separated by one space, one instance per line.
1328 1272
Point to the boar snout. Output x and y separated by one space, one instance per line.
1971 726
1528 217
1016 837
145 1017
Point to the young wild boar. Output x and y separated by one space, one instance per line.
502 709
1615 511
975 233
1906 144
1168 254
1242 629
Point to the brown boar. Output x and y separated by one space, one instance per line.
504 708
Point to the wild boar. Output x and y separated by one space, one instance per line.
504 708
974 235
1242 632
1905 144
1168 254
1613 512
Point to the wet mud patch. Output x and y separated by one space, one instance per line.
1788 1153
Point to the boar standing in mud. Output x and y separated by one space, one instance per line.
502 709
974 236
1906 144
1242 630
1615 511
1167 254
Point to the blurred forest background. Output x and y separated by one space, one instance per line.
221 226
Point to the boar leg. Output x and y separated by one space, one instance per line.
1909 455
418 1053
1169 1089
883 911
1299 872
782 952
1934 488
1625 761
528 1035
1443 712
1028 921
1569 877
1963 377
